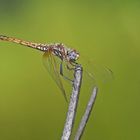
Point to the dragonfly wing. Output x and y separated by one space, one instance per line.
100 75
53 69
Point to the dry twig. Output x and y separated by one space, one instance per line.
73 103
86 115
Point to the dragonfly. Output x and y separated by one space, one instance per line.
68 59
65 54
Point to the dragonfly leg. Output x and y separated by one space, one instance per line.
70 68
62 74
73 64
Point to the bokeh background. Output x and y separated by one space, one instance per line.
31 105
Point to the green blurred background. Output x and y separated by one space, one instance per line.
31 105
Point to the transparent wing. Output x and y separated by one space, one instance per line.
54 70
95 74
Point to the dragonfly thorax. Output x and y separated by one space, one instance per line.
61 51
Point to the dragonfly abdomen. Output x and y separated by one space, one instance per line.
43 47
18 41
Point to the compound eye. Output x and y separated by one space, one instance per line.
72 55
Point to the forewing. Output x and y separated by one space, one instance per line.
54 70
95 74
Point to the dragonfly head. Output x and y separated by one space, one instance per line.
72 55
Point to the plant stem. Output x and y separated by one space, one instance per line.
73 103
86 115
